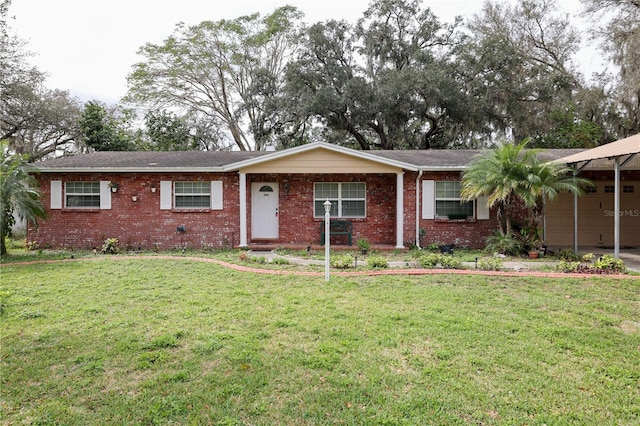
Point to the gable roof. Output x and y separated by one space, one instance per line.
225 161
364 155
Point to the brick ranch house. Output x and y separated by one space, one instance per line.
195 199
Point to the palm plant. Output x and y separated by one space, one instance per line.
512 174
18 193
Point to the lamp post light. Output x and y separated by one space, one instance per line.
327 237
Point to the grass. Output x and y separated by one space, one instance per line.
126 341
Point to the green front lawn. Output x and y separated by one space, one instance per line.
134 341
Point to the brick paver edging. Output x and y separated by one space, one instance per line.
371 273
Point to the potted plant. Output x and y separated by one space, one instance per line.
531 241
364 245
114 187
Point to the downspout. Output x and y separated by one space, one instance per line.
418 208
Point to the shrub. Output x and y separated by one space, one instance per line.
610 264
440 261
342 262
607 264
567 266
377 262
110 246
568 255
490 264
280 261
434 246
363 244
504 243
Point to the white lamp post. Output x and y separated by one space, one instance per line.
327 238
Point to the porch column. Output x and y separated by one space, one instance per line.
399 210
243 209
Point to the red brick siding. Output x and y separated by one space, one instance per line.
142 224
139 224
461 233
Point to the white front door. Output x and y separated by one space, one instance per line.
264 210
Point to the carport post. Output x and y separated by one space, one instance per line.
616 219
575 218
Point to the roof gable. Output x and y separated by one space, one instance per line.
320 161
322 152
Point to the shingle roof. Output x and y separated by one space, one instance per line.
217 160
456 158
149 160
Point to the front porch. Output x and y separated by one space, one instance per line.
281 196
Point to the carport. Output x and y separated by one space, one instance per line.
620 154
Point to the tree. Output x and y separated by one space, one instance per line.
512 174
387 83
101 130
4 9
567 130
222 71
18 193
419 101
167 131
617 26
36 121
521 57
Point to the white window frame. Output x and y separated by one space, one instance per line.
337 212
68 193
203 186
168 195
448 199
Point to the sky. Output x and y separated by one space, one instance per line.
89 46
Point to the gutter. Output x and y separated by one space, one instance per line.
131 170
